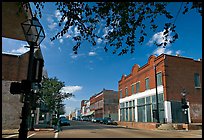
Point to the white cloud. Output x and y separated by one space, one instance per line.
59 49
70 89
159 38
76 31
50 19
52 25
161 50
61 40
58 15
178 52
20 50
92 53
99 41
74 56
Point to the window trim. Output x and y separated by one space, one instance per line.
132 85
126 93
161 77
197 87
136 86
148 84
121 93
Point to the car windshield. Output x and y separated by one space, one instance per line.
107 118
64 119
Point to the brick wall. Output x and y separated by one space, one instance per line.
139 74
180 74
14 68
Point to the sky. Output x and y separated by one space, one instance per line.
93 69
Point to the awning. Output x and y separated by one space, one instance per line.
88 113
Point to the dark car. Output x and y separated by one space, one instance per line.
64 121
107 120
98 120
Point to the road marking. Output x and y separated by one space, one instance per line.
11 136
56 135
31 135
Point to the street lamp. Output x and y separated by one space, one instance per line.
34 35
184 105
33 31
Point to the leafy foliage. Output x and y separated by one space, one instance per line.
124 21
51 95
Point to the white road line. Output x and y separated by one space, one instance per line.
11 136
56 135
31 135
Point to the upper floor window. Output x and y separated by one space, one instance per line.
121 95
126 91
197 80
137 87
132 87
147 83
159 79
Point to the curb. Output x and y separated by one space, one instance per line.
44 129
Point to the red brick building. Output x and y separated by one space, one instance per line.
137 92
105 104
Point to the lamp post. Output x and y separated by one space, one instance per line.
157 100
184 105
35 90
34 35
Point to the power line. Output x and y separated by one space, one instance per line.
178 12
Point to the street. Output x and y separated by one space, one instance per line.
83 129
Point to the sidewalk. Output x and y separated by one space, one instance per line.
38 127
43 127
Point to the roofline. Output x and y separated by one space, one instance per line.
158 57
14 54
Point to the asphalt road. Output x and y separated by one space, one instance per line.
80 129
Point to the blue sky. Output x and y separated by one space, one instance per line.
92 69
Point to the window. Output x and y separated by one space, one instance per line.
197 80
147 83
137 87
141 109
159 79
126 91
132 89
121 94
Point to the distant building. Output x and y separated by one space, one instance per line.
102 104
137 91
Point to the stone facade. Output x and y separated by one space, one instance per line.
11 107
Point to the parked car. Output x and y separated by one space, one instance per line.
64 121
108 120
74 118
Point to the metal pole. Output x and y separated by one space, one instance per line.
23 131
157 103
32 120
